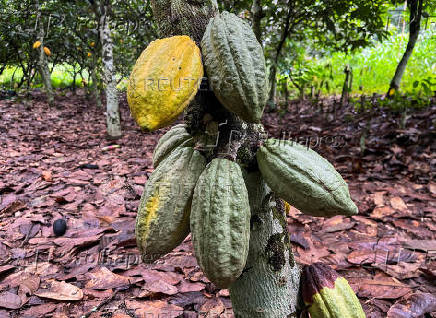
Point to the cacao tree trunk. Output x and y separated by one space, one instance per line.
269 284
415 7
113 120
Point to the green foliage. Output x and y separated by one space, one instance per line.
71 31
373 68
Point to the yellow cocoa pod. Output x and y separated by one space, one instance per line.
47 51
163 81
328 295
37 44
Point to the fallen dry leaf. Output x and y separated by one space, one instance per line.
432 188
39 311
379 199
422 245
382 289
381 212
4 314
103 278
157 287
150 275
212 308
186 286
157 308
413 306
60 291
47 176
10 300
27 287
398 204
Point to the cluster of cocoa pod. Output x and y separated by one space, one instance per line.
208 197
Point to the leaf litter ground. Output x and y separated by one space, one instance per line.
56 163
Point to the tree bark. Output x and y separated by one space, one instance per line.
403 27
95 90
257 13
113 120
42 62
286 91
273 70
415 7
269 285
273 84
346 86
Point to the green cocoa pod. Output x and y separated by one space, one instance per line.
220 222
304 179
328 295
163 216
235 66
176 137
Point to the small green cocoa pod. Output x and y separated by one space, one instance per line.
176 137
220 222
304 179
163 216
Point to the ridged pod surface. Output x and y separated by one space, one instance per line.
176 137
163 81
163 216
235 65
304 179
328 295
220 222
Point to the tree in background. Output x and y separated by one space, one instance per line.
84 36
43 52
416 9
337 25
102 11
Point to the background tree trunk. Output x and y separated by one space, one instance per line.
95 90
257 13
415 7
269 285
42 61
273 70
45 73
273 84
113 120
346 88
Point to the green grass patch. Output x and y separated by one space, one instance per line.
61 77
374 67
